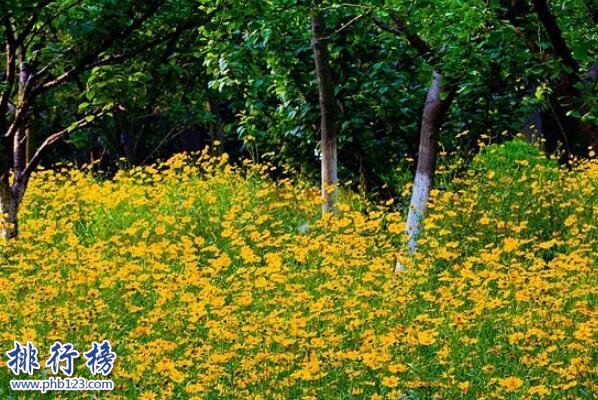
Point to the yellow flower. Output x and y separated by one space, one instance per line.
343 207
248 255
397 368
232 297
516 337
571 220
221 262
390 381
427 337
539 389
511 383
195 388
160 230
464 386
584 332
394 228
510 244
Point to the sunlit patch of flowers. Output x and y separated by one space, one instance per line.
215 282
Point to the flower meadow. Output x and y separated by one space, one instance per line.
214 281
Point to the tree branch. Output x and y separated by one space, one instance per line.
119 58
20 39
24 176
348 24
385 27
87 62
400 28
47 23
414 39
555 35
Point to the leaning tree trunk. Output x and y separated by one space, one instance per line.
433 113
328 113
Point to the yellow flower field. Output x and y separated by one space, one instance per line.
214 282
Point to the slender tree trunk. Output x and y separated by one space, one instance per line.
8 208
20 137
19 146
328 113
28 145
433 114
434 110
11 195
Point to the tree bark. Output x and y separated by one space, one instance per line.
328 113
20 136
8 208
434 110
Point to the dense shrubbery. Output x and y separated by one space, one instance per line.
215 282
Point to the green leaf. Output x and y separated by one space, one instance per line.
539 93
72 127
580 51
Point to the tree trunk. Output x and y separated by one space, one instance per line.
565 97
28 145
328 113
8 208
20 137
434 110
577 134
556 36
